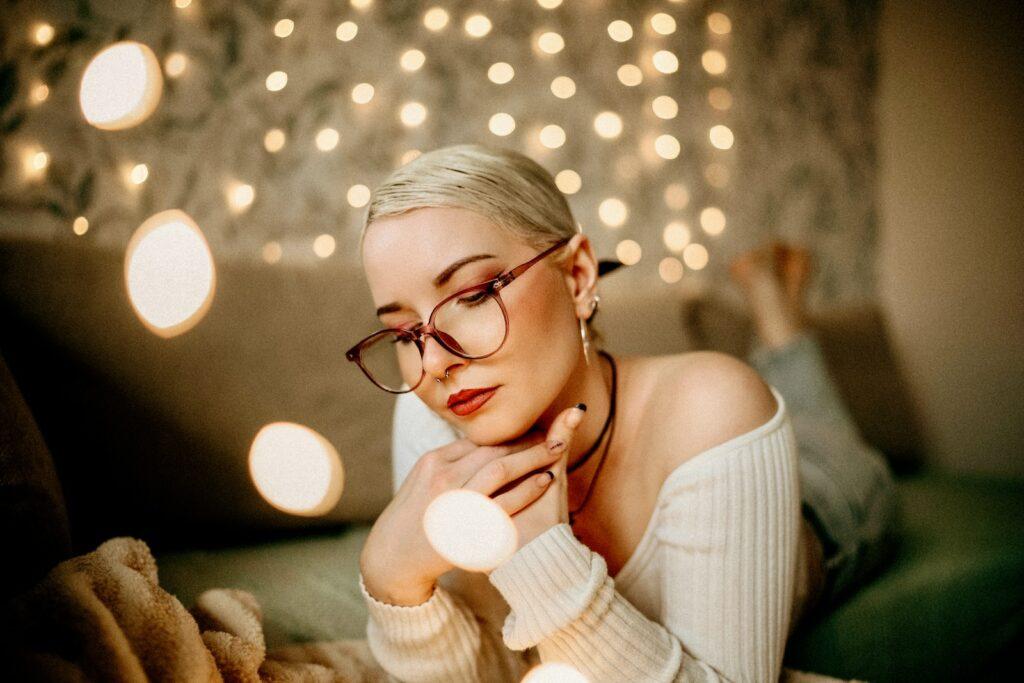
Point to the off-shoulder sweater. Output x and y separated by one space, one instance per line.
706 595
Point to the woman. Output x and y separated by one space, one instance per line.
657 499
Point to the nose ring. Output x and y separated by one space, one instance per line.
438 379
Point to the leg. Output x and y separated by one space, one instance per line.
848 493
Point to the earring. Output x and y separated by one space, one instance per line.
586 341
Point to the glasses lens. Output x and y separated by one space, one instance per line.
393 360
472 325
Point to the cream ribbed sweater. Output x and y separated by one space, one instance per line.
707 594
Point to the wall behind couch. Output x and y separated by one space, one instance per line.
950 107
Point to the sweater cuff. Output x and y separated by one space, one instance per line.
548 583
410 623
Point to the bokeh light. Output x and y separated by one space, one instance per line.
413 114
721 137
169 273
719 23
552 136
628 251
324 245
362 93
670 269
695 256
563 87
80 226
554 672
284 28
676 236
630 74
501 124
327 139
568 181
500 73
613 212
478 25
346 31
712 220
121 86
620 31
296 469
240 196
435 18
608 124
470 530
274 140
412 60
676 196
276 81
714 62
665 107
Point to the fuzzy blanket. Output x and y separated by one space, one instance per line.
103 616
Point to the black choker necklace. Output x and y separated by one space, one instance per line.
586 456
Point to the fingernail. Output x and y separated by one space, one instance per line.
556 445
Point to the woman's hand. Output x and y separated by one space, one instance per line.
552 507
398 564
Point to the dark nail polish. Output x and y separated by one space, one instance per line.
581 406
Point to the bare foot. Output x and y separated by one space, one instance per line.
776 319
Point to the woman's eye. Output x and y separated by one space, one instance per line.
474 298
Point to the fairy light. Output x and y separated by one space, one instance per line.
676 235
719 98
719 23
500 73
274 140
80 225
629 252
271 252
42 33
549 4
35 163
620 31
412 60
714 62
324 245
470 530
663 24
608 124
362 93
121 86
284 28
138 174
358 195
670 269
667 146
666 62
435 19
477 25
695 256
276 81
563 87
182 4
362 5
413 114
665 107
175 64
347 31
501 124
240 196
613 212
39 93
327 139
550 43
677 197
630 74
552 136
721 137
568 181
712 220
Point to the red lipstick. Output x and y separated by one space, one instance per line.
468 400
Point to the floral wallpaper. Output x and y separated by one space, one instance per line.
731 122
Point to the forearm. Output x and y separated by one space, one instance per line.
438 640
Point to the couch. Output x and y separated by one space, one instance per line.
109 430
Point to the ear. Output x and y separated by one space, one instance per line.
581 271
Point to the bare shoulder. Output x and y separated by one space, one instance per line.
705 398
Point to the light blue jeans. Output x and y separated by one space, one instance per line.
847 489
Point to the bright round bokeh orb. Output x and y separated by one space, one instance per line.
121 86
296 469
554 672
470 530
169 273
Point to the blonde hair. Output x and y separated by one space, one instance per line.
508 188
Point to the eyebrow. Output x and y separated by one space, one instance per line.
442 278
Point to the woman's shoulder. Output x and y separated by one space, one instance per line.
699 399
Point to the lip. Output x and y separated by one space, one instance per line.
469 400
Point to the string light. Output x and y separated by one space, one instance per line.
695 256
347 31
240 196
500 73
175 64
478 25
714 62
550 43
42 33
469 530
563 87
361 5
435 19
670 269
501 124
667 146
613 212
663 24
296 469
666 62
284 28
720 136
274 140
677 197
608 124
138 174
182 4
628 251
719 98
620 31
719 23
549 4
358 195
39 93
324 245
35 162
712 220
665 107
552 136
568 181
80 226
630 74
412 60
271 252
276 81
676 235
121 86
413 114
327 139
362 93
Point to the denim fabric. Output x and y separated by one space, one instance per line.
847 489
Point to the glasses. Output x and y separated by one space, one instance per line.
472 323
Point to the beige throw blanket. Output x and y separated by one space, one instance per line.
102 616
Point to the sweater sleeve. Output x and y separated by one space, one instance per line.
727 546
441 639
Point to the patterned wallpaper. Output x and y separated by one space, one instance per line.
788 84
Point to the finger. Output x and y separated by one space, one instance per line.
471 462
562 429
529 490
503 473
456 449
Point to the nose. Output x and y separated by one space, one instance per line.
437 359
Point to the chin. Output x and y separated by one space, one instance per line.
491 428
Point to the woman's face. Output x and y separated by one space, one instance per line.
541 358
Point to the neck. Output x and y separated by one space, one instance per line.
591 384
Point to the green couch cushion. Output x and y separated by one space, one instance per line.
951 601
950 606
